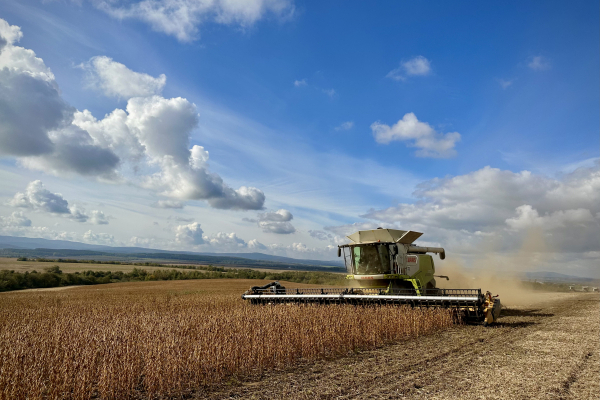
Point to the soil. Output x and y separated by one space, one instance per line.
543 349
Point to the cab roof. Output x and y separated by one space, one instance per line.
384 236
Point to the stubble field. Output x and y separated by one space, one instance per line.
174 339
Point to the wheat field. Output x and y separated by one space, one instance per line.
174 339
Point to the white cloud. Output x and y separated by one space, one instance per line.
417 66
420 134
19 59
528 217
116 80
160 130
190 234
300 83
182 18
462 211
98 218
37 197
16 219
36 122
345 126
255 244
538 63
276 222
99 238
146 242
78 214
151 138
10 33
225 242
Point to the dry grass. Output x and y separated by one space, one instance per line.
163 339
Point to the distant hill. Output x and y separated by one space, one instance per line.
31 247
268 257
8 242
547 276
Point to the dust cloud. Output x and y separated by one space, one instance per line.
497 272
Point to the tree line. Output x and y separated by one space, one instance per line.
54 277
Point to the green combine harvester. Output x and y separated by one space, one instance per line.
388 269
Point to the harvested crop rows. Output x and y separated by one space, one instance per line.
547 348
175 338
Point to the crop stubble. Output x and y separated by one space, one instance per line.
175 338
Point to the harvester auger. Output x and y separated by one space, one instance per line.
389 269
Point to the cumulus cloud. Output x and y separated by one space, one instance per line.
116 80
417 66
161 129
37 197
182 18
78 214
225 241
419 134
538 63
151 135
17 224
36 122
276 222
16 219
345 126
190 234
99 238
98 218
504 205
256 245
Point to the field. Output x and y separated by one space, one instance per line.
28 266
198 339
177 338
546 348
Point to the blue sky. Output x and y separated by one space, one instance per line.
300 100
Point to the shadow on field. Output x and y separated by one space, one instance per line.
519 324
511 312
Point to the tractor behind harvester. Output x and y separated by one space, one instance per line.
389 269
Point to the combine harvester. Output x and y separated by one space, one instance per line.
389 269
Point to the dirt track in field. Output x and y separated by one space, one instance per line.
548 349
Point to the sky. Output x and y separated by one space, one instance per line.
280 126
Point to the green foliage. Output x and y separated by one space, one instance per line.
55 269
53 277
52 254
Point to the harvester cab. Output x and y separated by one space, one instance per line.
388 259
390 270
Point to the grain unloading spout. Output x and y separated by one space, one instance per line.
436 250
